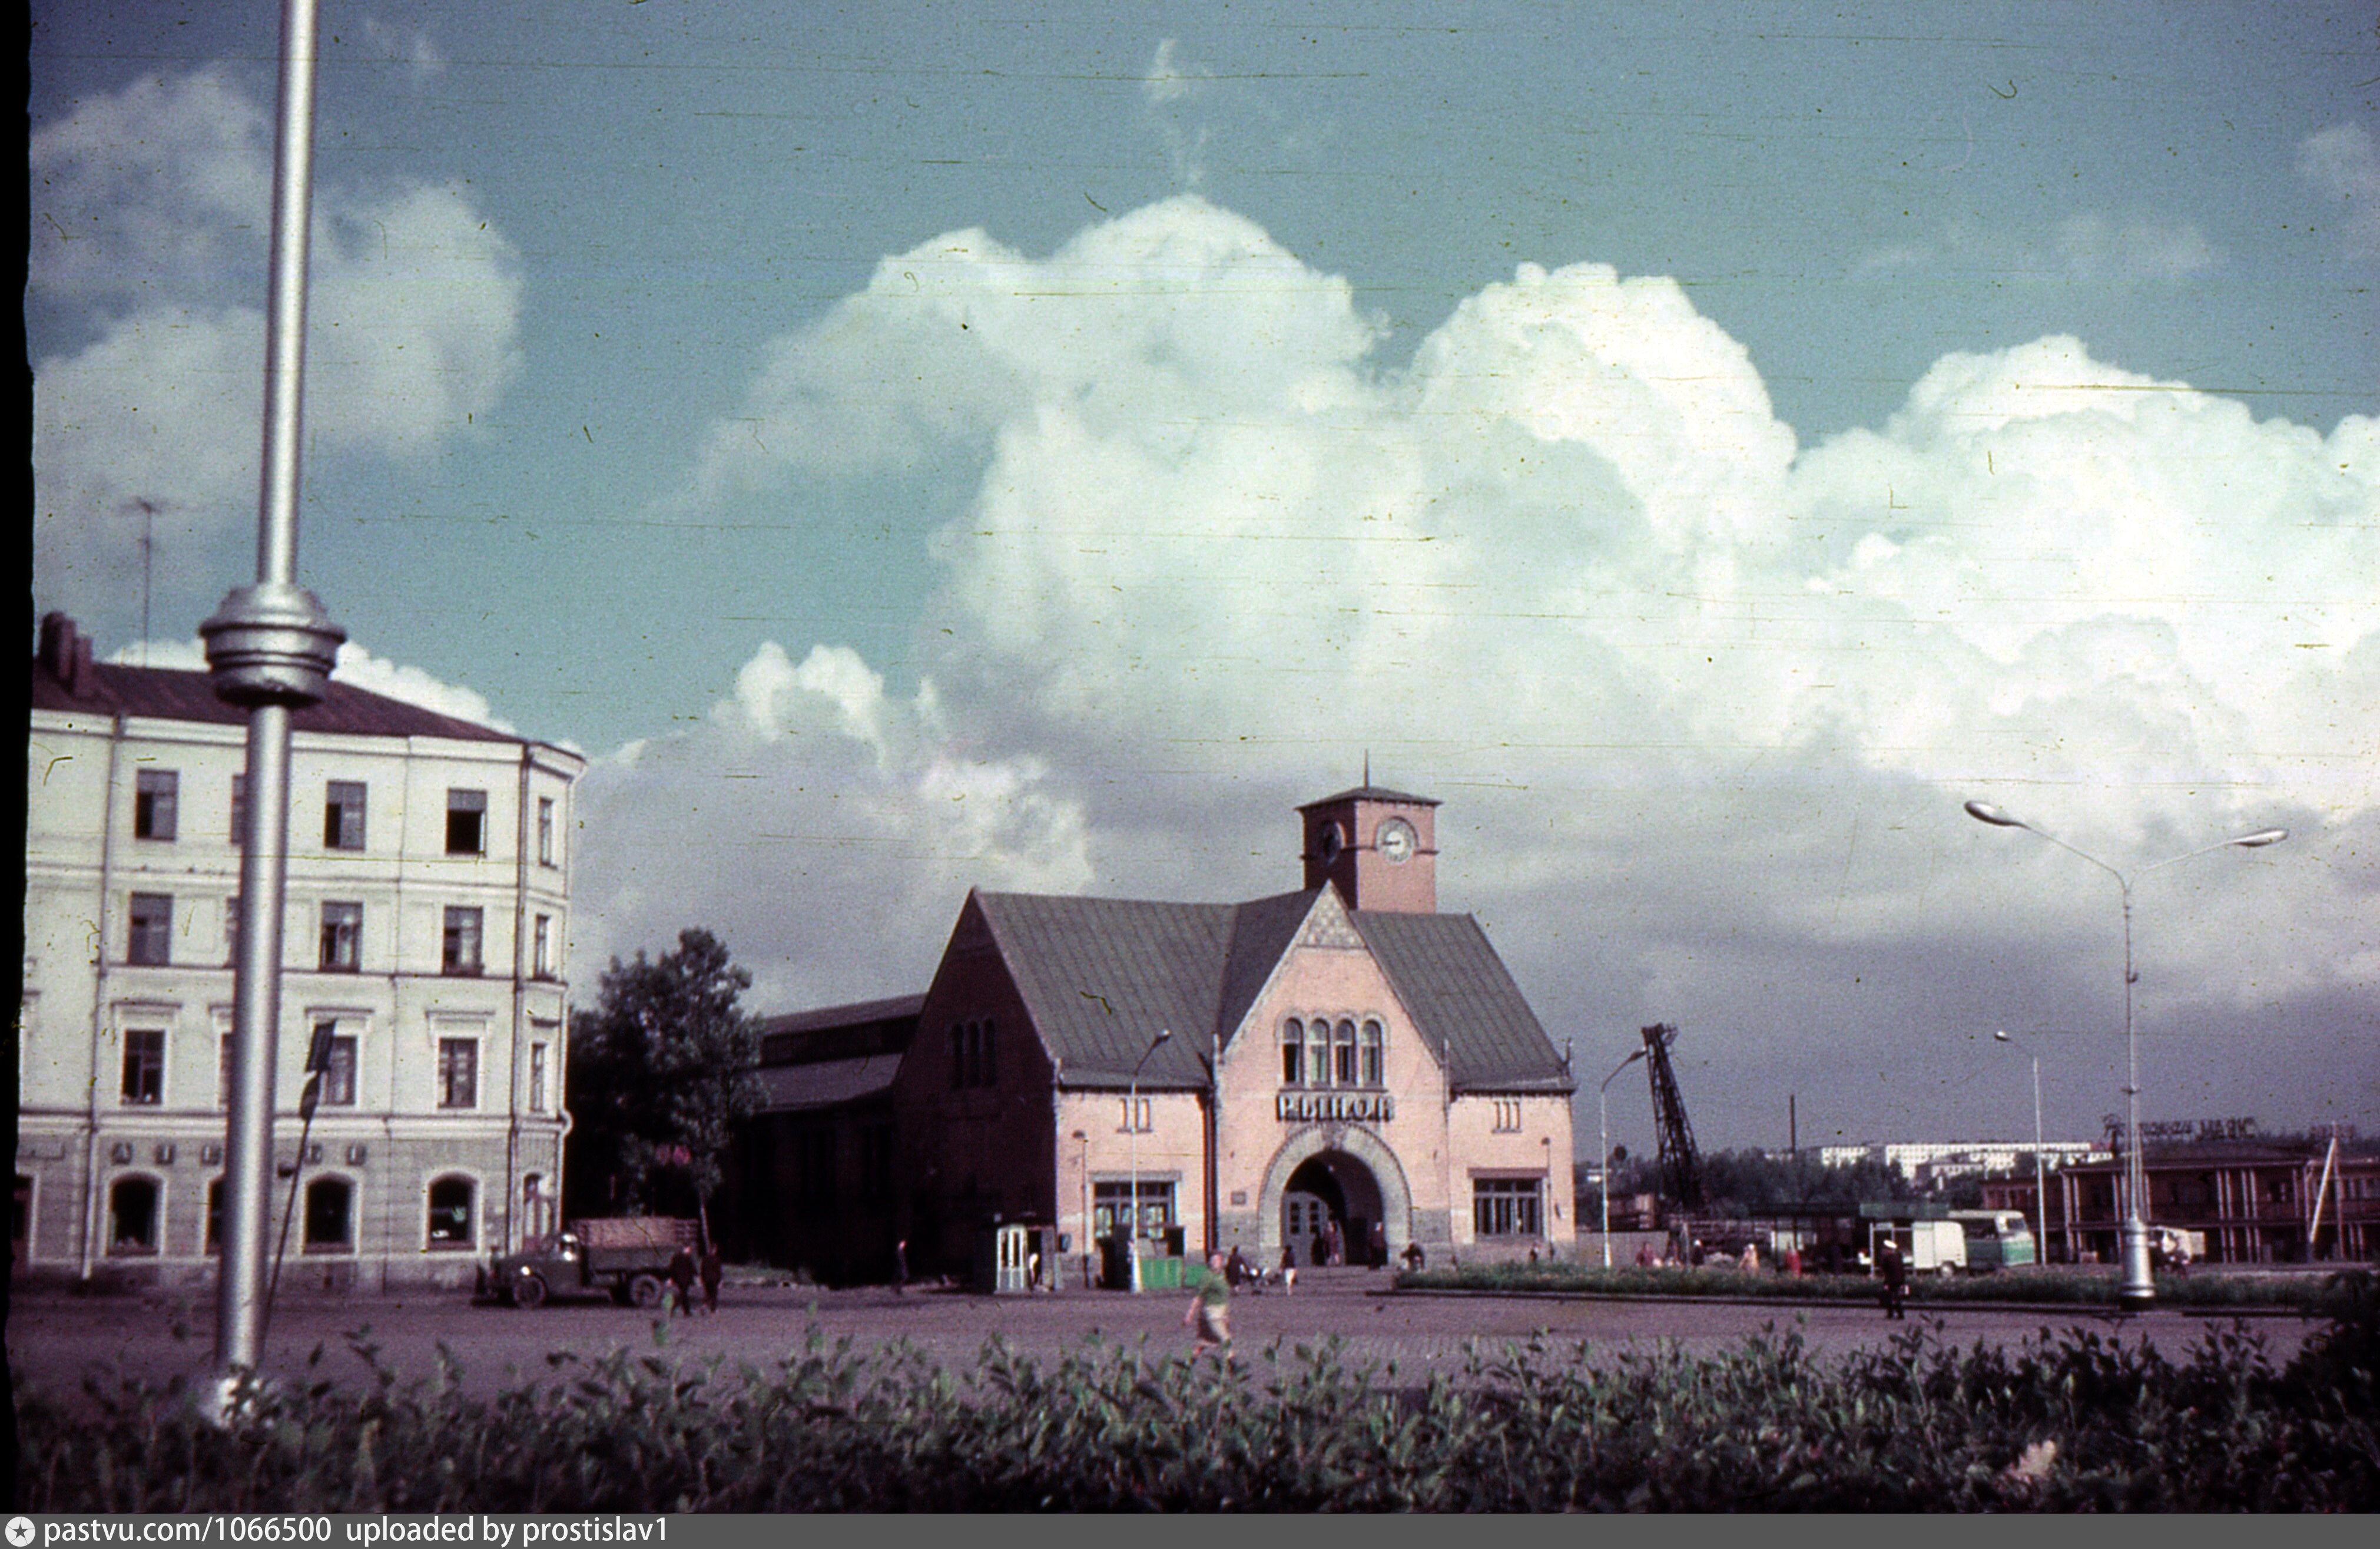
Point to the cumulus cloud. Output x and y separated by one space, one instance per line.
151 209
1702 702
2344 163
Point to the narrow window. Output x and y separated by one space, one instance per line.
1342 1049
541 948
450 1212
1374 1047
339 1072
460 953
343 815
155 795
458 1072
222 1071
153 929
536 1078
467 822
1292 1053
231 930
958 1056
132 1216
144 1067
545 831
330 1214
342 929
1317 1053
238 811
214 1215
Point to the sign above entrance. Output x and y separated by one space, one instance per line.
1377 1108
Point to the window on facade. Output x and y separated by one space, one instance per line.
151 943
155 795
450 1212
1136 1115
545 831
343 815
467 822
338 1089
239 809
214 1215
342 929
975 1059
222 1071
133 1215
144 1066
1507 1207
1508 1115
536 1078
1342 1055
458 1072
231 930
1373 1049
541 948
1292 1053
1317 1053
1111 1208
460 952
329 1215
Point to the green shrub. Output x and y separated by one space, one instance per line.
2059 1287
2070 1422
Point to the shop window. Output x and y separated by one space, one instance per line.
467 822
144 1067
1111 1207
459 952
343 815
151 943
458 1072
343 930
1507 1207
133 1215
450 1212
1292 1053
329 1215
156 793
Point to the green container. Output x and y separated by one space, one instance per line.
1160 1274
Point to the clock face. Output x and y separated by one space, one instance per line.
1395 841
1329 842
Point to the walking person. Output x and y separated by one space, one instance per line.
712 1272
681 1279
1893 1270
1210 1306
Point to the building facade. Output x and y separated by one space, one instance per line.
1339 1061
427 911
2253 1201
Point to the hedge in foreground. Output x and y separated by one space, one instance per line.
2068 1421
2067 1287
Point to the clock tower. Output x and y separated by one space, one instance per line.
1378 847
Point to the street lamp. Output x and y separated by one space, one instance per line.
1603 1138
1082 1137
2136 1287
1132 1129
2040 1196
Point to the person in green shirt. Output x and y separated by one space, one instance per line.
1210 1306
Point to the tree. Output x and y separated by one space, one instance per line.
661 1072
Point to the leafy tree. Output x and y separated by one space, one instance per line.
660 1071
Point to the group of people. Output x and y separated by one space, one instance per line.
1693 1255
685 1270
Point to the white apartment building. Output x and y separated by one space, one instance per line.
427 908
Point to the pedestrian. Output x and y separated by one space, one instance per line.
901 1267
1377 1247
1694 1256
712 1271
1644 1259
1750 1263
1210 1306
1288 1269
1894 1271
1794 1261
1414 1257
681 1279
1235 1268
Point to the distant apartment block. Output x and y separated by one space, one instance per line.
426 908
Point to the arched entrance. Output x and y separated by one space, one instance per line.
1340 1175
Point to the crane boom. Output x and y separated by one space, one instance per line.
1680 1165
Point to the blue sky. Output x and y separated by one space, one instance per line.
913 446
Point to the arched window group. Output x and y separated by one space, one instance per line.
1318 1052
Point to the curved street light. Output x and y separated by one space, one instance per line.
2136 1287
1132 1130
1603 1138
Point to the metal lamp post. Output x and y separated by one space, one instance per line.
2136 1288
1132 1130
1603 1138
2040 1192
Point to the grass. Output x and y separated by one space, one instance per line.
2061 1422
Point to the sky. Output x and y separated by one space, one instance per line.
915 448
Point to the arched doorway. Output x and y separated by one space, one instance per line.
1330 1190
1337 1174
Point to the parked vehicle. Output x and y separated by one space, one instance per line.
1996 1239
626 1256
1927 1247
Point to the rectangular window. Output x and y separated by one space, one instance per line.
155 795
1292 1053
342 929
536 1078
1506 1207
153 929
338 1089
1508 1115
223 1072
144 1066
343 815
458 1072
460 953
1135 1112
541 948
238 811
545 831
467 822
1111 1207
1374 1050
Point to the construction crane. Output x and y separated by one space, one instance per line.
1680 1163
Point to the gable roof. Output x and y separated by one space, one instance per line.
1373 793
170 694
1101 977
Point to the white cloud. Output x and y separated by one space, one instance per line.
2090 246
355 666
2344 163
1169 87
413 326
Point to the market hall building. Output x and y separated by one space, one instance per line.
1341 1058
